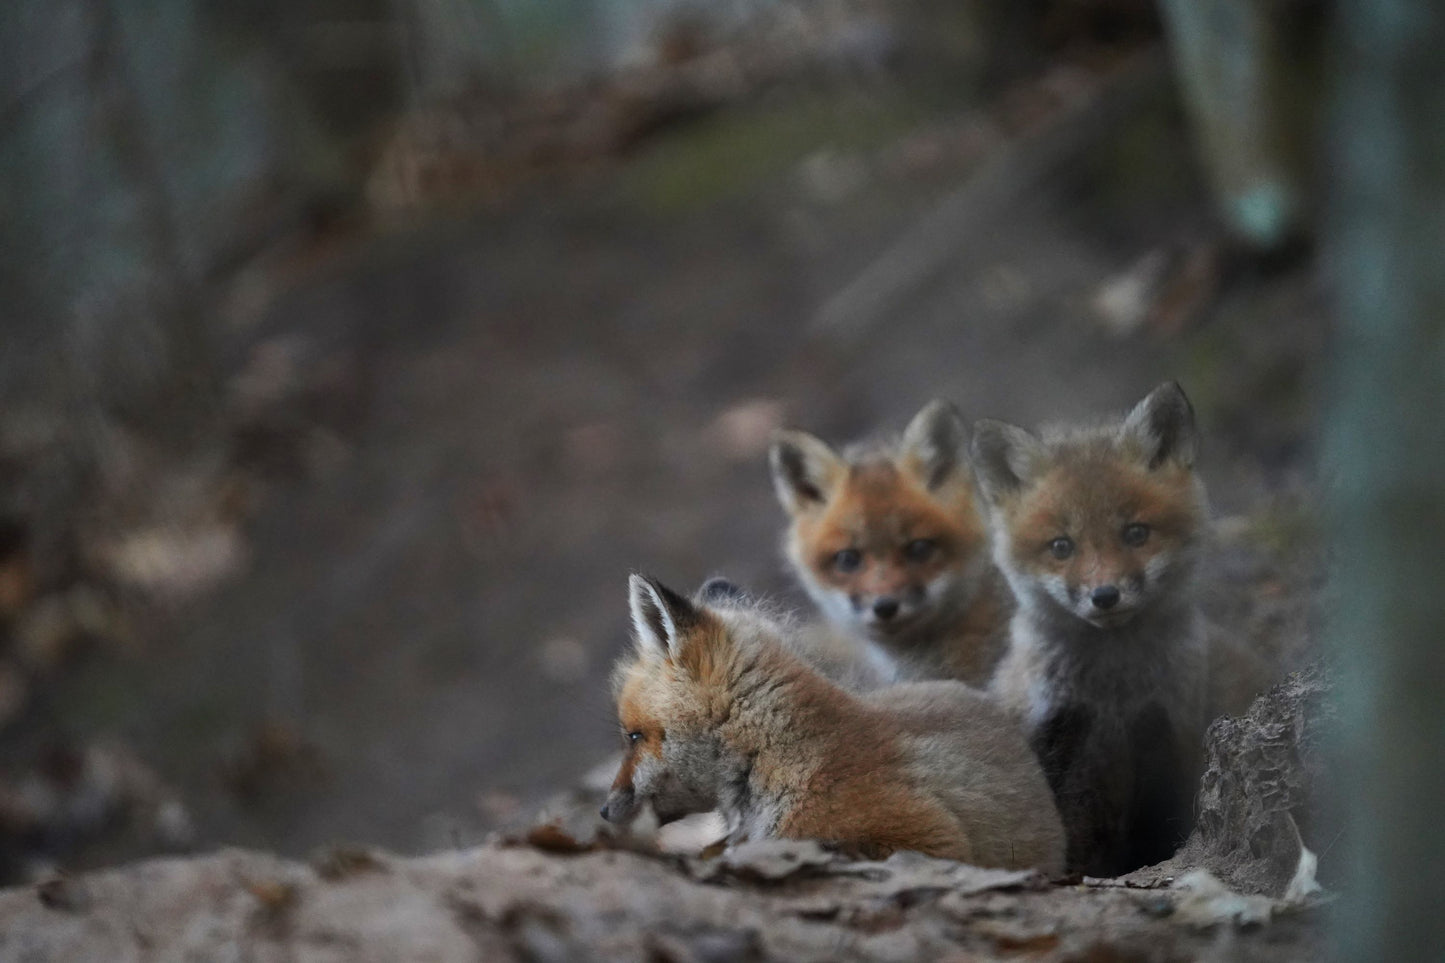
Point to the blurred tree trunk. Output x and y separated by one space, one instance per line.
146 149
1249 73
1388 458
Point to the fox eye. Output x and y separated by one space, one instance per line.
847 560
1061 547
1136 534
920 549
633 737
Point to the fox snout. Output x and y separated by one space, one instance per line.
881 610
1109 599
621 805
1105 596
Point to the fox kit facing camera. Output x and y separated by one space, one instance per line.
1098 530
888 541
717 713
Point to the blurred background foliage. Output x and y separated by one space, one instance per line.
356 350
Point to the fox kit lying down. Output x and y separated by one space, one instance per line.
719 714
1098 530
887 540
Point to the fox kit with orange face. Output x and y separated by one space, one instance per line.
717 713
889 543
1098 531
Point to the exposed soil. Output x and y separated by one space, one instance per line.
777 900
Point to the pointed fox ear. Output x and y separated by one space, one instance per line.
934 443
718 590
1004 458
1163 426
805 470
661 619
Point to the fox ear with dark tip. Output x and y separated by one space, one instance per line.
661 619
1004 458
718 590
934 444
805 470
1163 426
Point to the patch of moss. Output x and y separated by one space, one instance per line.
1204 367
1286 528
736 150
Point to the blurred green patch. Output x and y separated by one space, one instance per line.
1207 359
1288 527
736 150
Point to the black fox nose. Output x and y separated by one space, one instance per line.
604 811
1104 597
885 608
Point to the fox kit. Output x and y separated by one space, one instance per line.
1098 531
718 713
888 541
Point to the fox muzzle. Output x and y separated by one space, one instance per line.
621 806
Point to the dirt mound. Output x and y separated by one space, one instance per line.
1259 802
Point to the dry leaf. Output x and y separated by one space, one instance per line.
775 859
552 838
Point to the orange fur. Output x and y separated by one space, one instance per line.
897 524
1090 497
878 509
727 716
